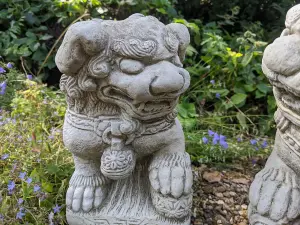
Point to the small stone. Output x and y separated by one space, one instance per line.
220 202
245 207
241 181
212 177
219 195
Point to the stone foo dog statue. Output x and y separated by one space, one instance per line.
275 192
122 80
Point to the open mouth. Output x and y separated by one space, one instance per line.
155 106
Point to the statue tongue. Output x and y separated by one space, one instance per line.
283 56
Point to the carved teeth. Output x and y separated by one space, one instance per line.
141 106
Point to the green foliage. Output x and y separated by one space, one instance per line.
29 28
31 143
239 148
14 80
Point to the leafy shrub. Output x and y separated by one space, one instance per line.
34 166
29 28
10 81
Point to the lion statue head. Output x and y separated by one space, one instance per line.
133 66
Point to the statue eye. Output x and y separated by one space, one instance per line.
131 66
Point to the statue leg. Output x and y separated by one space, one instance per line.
275 192
171 177
88 187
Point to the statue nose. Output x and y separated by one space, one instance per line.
168 82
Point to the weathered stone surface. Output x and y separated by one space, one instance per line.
274 194
122 80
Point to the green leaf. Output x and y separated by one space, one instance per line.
249 87
35 175
263 88
31 35
161 10
242 119
46 37
34 46
259 94
238 98
222 92
247 58
187 110
190 51
271 103
237 89
52 169
47 186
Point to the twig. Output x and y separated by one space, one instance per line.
22 63
241 112
57 41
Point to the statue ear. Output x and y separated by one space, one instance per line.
82 40
183 35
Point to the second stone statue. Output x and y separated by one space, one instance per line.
122 80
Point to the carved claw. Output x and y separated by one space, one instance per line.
274 197
171 181
86 193
85 198
172 175
174 181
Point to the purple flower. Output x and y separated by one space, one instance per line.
51 137
253 161
224 144
56 209
222 138
22 175
264 144
20 201
239 139
20 214
218 95
205 140
3 86
29 77
216 139
212 82
2 70
9 65
211 133
1 217
29 180
11 185
253 142
36 188
5 156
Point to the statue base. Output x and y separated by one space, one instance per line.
128 202
81 219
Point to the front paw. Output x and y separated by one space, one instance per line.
171 174
171 181
274 197
86 193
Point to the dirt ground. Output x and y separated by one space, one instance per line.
221 193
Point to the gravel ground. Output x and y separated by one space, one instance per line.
221 195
